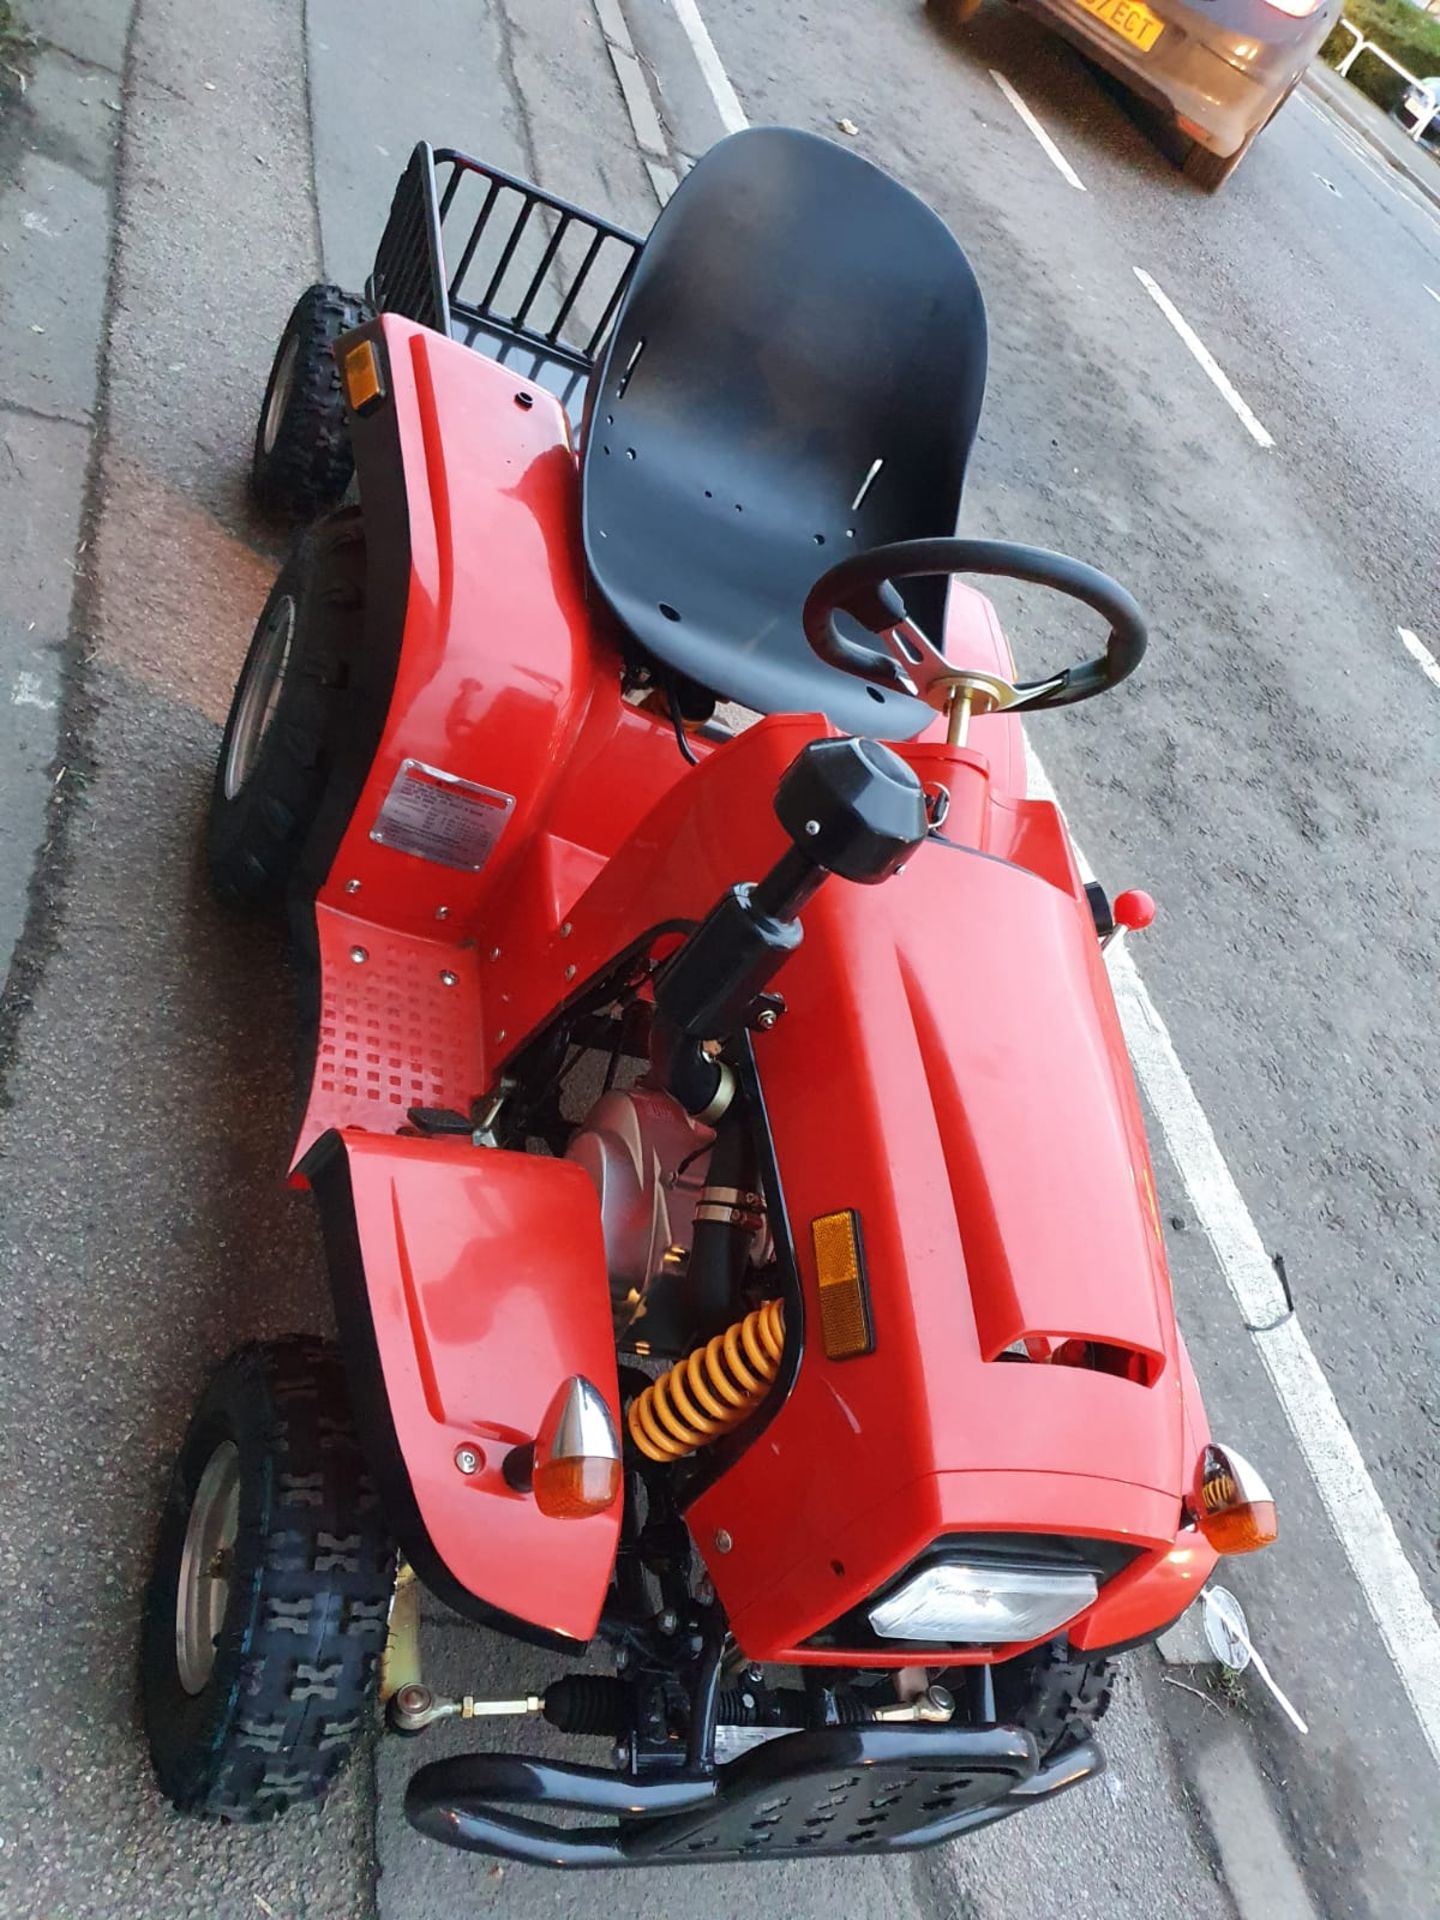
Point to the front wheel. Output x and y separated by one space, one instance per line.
1055 1694
267 1607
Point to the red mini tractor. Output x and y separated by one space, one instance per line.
746 1260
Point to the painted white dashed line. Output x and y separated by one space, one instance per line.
1392 1590
1385 175
1357 149
1430 290
732 114
1418 651
1039 132
1206 359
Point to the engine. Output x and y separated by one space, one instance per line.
649 1161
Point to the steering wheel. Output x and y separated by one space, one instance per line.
862 586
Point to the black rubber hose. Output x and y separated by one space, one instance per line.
682 1067
720 1249
591 1703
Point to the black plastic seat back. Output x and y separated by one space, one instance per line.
796 374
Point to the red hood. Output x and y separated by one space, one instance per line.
951 1067
1049 1181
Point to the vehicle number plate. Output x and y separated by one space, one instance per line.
438 816
1128 18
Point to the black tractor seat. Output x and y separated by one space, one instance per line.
795 374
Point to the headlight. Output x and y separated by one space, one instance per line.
989 1604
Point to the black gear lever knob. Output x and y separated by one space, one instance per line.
852 807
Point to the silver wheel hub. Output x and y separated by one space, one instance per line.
280 392
259 694
206 1566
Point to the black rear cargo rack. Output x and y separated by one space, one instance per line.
535 284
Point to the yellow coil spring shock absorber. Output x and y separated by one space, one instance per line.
712 1389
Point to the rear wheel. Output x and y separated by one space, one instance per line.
1056 1695
267 1607
1212 170
1208 170
302 461
288 706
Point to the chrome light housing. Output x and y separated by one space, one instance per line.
987 1603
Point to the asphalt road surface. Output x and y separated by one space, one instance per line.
1270 777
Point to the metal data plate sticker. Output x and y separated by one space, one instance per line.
438 816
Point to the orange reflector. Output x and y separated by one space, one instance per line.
845 1328
363 384
569 1489
1234 1508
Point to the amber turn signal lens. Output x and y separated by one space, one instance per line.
569 1489
1242 1529
1234 1508
362 376
576 1468
845 1326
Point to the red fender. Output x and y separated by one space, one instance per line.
468 1285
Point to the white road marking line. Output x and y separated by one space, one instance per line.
1418 650
1430 290
1365 1530
1354 145
1372 166
1392 1589
1039 132
1387 176
26 692
1396 183
1206 359
732 114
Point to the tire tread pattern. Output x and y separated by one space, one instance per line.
254 839
297 1656
1057 1696
309 467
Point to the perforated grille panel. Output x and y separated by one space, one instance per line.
393 1032
926 1784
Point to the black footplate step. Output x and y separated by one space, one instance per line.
840 1790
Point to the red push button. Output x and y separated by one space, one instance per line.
1133 910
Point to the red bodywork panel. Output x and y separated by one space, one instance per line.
503 681
950 1066
487 1284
